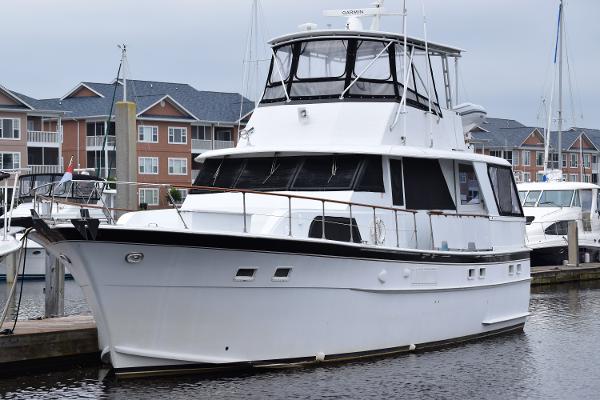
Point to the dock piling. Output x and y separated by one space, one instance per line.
573 244
55 288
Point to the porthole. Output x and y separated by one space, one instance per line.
245 274
281 274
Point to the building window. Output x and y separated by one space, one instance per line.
496 153
183 193
177 135
10 160
148 134
573 178
526 177
223 135
515 160
148 165
574 160
594 159
587 178
586 161
539 158
177 166
564 160
526 158
201 133
10 128
149 196
469 186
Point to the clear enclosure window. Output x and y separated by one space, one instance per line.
283 61
505 190
469 186
369 64
322 59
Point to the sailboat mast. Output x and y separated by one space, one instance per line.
560 81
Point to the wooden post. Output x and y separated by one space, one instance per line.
573 244
125 126
55 288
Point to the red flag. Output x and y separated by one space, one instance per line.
68 176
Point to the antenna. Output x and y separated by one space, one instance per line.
427 63
123 48
353 15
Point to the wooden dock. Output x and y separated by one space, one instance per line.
564 274
48 343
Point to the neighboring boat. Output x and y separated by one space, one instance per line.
548 207
70 196
351 220
8 243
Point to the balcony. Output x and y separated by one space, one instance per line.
222 144
199 145
96 142
44 138
202 145
46 169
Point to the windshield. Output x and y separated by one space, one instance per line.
555 198
532 198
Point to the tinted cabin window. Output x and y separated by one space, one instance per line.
327 172
270 173
425 185
396 175
371 176
336 228
318 173
218 173
505 191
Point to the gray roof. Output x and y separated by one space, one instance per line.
203 105
504 137
493 124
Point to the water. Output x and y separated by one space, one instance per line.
32 300
557 357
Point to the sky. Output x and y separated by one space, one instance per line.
50 46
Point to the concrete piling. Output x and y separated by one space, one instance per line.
573 244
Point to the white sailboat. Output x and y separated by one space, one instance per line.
351 220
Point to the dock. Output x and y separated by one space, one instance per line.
36 345
564 274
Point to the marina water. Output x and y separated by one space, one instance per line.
555 358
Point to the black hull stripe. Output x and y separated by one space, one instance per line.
25 222
276 245
193 368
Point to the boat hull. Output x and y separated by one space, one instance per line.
181 307
554 255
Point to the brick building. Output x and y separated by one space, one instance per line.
523 147
175 122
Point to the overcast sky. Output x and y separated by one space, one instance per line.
48 46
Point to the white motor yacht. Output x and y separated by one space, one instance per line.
351 220
548 207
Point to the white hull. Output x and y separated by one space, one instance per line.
181 307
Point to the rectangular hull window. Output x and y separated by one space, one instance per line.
336 228
397 190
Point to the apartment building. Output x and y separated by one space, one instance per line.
28 134
524 146
175 122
